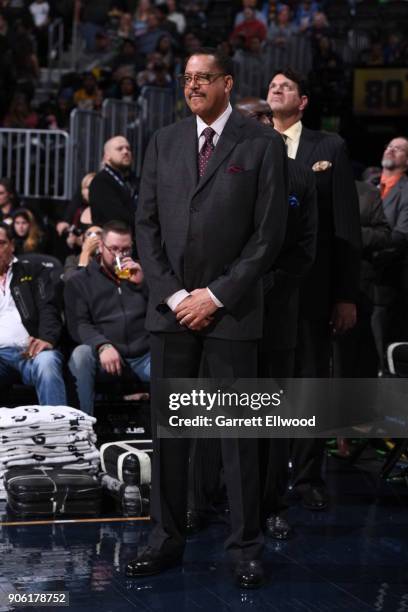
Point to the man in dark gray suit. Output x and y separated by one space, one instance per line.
328 300
391 264
210 222
394 188
277 348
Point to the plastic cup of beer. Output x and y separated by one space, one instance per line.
120 270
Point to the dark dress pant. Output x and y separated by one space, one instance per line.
179 355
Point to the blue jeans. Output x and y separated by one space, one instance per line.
44 372
85 366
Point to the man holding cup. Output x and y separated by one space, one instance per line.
105 309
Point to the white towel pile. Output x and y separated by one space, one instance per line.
56 436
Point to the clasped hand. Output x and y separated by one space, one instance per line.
196 311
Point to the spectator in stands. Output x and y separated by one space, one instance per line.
148 40
87 96
395 50
195 16
128 58
249 28
270 11
166 49
78 213
28 236
30 326
394 187
127 90
106 315
94 16
156 73
241 16
320 27
91 247
20 114
141 16
113 192
355 352
191 43
305 14
165 24
391 290
8 200
40 11
24 59
328 78
284 27
176 17
126 28
374 55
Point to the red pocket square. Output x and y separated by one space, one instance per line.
235 169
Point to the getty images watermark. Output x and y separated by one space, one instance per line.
265 408
199 398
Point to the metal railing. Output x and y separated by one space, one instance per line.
249 76
55 43
157 109
86 144
38 161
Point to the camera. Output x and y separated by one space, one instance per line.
72 229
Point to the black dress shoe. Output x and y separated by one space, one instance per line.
249 574
196 522
278 528
315 498
150 562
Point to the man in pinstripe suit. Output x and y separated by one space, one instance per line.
277 348
328 302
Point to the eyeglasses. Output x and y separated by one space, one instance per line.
116 251
201 78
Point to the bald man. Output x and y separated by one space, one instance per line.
114 190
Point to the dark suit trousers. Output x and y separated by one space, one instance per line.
312 360
274 453
178 355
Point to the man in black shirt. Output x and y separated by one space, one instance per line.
113 191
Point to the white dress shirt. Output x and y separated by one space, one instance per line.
219 124
12 330
293 138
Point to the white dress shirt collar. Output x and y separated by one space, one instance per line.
293 138
217 126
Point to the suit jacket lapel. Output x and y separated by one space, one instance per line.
228 140
307 143
190 150
394 195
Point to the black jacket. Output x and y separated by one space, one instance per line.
281 284
34 295
100 309
335 274
111 199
